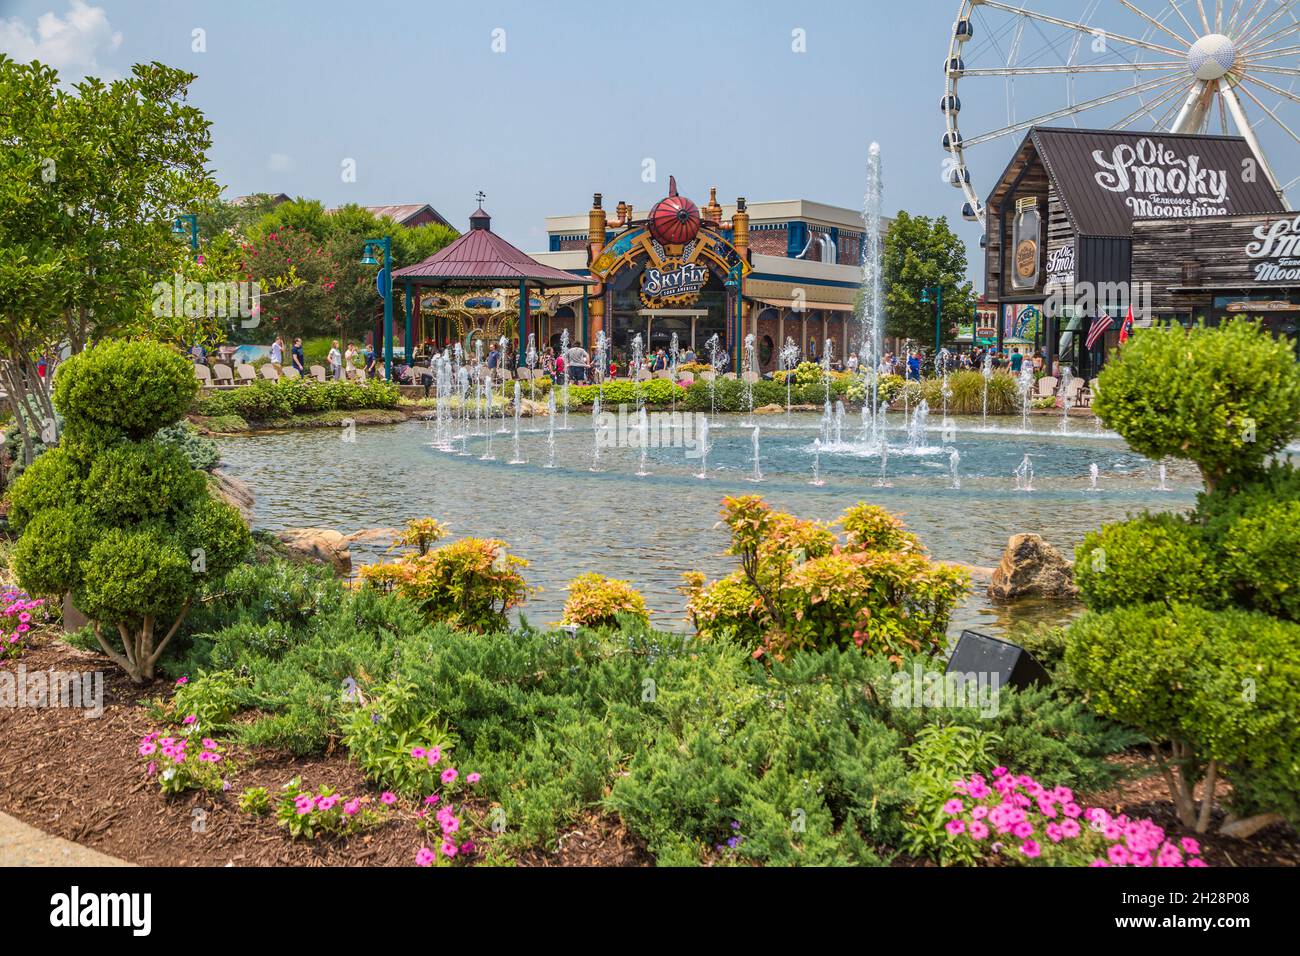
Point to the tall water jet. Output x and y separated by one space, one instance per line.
839 423
872 320
954 464
945 390
883 480
502 345
758 468
1025 386
643 438
634 368
986 370
674 352
1024 475
817 463
517 459
916 430
704 449
789 359
531 359
550 430
712 346
564 389
595 434
1067 380
1093 473
826 368
748 363
1164 479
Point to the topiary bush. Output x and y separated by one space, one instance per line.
122 521
1214 691
1224 398
1153 557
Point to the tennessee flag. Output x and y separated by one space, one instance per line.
1126 328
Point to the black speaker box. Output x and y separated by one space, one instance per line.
980 654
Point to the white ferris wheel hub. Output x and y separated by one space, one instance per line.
1211 57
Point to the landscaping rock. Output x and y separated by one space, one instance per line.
324 545
1031 567
772 409
236 493
384 536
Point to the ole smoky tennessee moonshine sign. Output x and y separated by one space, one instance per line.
1158 180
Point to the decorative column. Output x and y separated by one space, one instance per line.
739 239
410 350
594 311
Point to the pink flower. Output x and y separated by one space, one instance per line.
1023 829
449 775
1054 832
1099 862
431 799
1030 849
190 719
388 798
1070 828
418 753
147 748
352 806
182 680
435 754
980 812
999 771
208 756
954 827
209 743
473 778
449 849
978 831
953 806
1190 846
424 857
451 824
1117 854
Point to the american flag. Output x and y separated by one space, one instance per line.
1099 327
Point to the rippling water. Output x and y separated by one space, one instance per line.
569 519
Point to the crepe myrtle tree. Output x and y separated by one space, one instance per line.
117 519
1226 399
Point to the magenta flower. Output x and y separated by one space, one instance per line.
953 806
190 719
1030 849
147 748
954 827
418 753
473 778
431 799
424 857
182 680
978 831
449 849
352 806
388 798
449 775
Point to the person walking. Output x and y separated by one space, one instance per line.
349 361
336 361
1017 360
299 360
370 360
277 353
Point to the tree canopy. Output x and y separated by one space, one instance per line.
921 252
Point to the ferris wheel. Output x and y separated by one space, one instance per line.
1173 66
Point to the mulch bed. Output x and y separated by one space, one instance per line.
83 780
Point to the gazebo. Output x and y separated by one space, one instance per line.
480 259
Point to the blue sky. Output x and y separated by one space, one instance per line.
582 94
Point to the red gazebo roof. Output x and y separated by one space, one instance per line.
480 258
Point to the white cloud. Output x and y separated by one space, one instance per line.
72 44
279 163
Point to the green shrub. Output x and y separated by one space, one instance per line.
149 537
199 451
597 601
1153 557
381 732
1225 398
1262 559
266 401
1217 688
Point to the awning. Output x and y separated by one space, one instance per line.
805 305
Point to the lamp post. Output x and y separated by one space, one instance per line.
937 292
188 223
733 283
386 290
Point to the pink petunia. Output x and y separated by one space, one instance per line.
147 748
449 849
953 806
472 778
424 857
954 827
388 798
1030 849
449 775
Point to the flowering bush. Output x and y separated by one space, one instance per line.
799 586
381 733
595 600
1019 822
421 533
449 832
17 607
177 767
468 584
306 814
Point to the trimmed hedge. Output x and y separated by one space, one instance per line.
266 401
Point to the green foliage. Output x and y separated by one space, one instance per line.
597 601
149 536
266 401
381 732
1153 557
1224 398
1213 685
805 589
255 800
52 481
213 699
1262 559
131 387
920 252
201 452
940 756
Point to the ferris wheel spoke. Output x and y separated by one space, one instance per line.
1286 94
1267 22
1255 11
1075 108
1182 16
1279 70
1232 17
1080 27
1272 54
1205 21
1066 68
1263 45
1271 115
1153 21
1178 84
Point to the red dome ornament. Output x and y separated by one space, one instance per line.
675 220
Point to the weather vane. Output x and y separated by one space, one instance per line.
480 196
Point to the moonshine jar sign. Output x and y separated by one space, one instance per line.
1025 237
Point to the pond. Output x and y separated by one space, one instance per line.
649 528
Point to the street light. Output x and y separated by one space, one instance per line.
733 282
188 223
937 291
386 290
